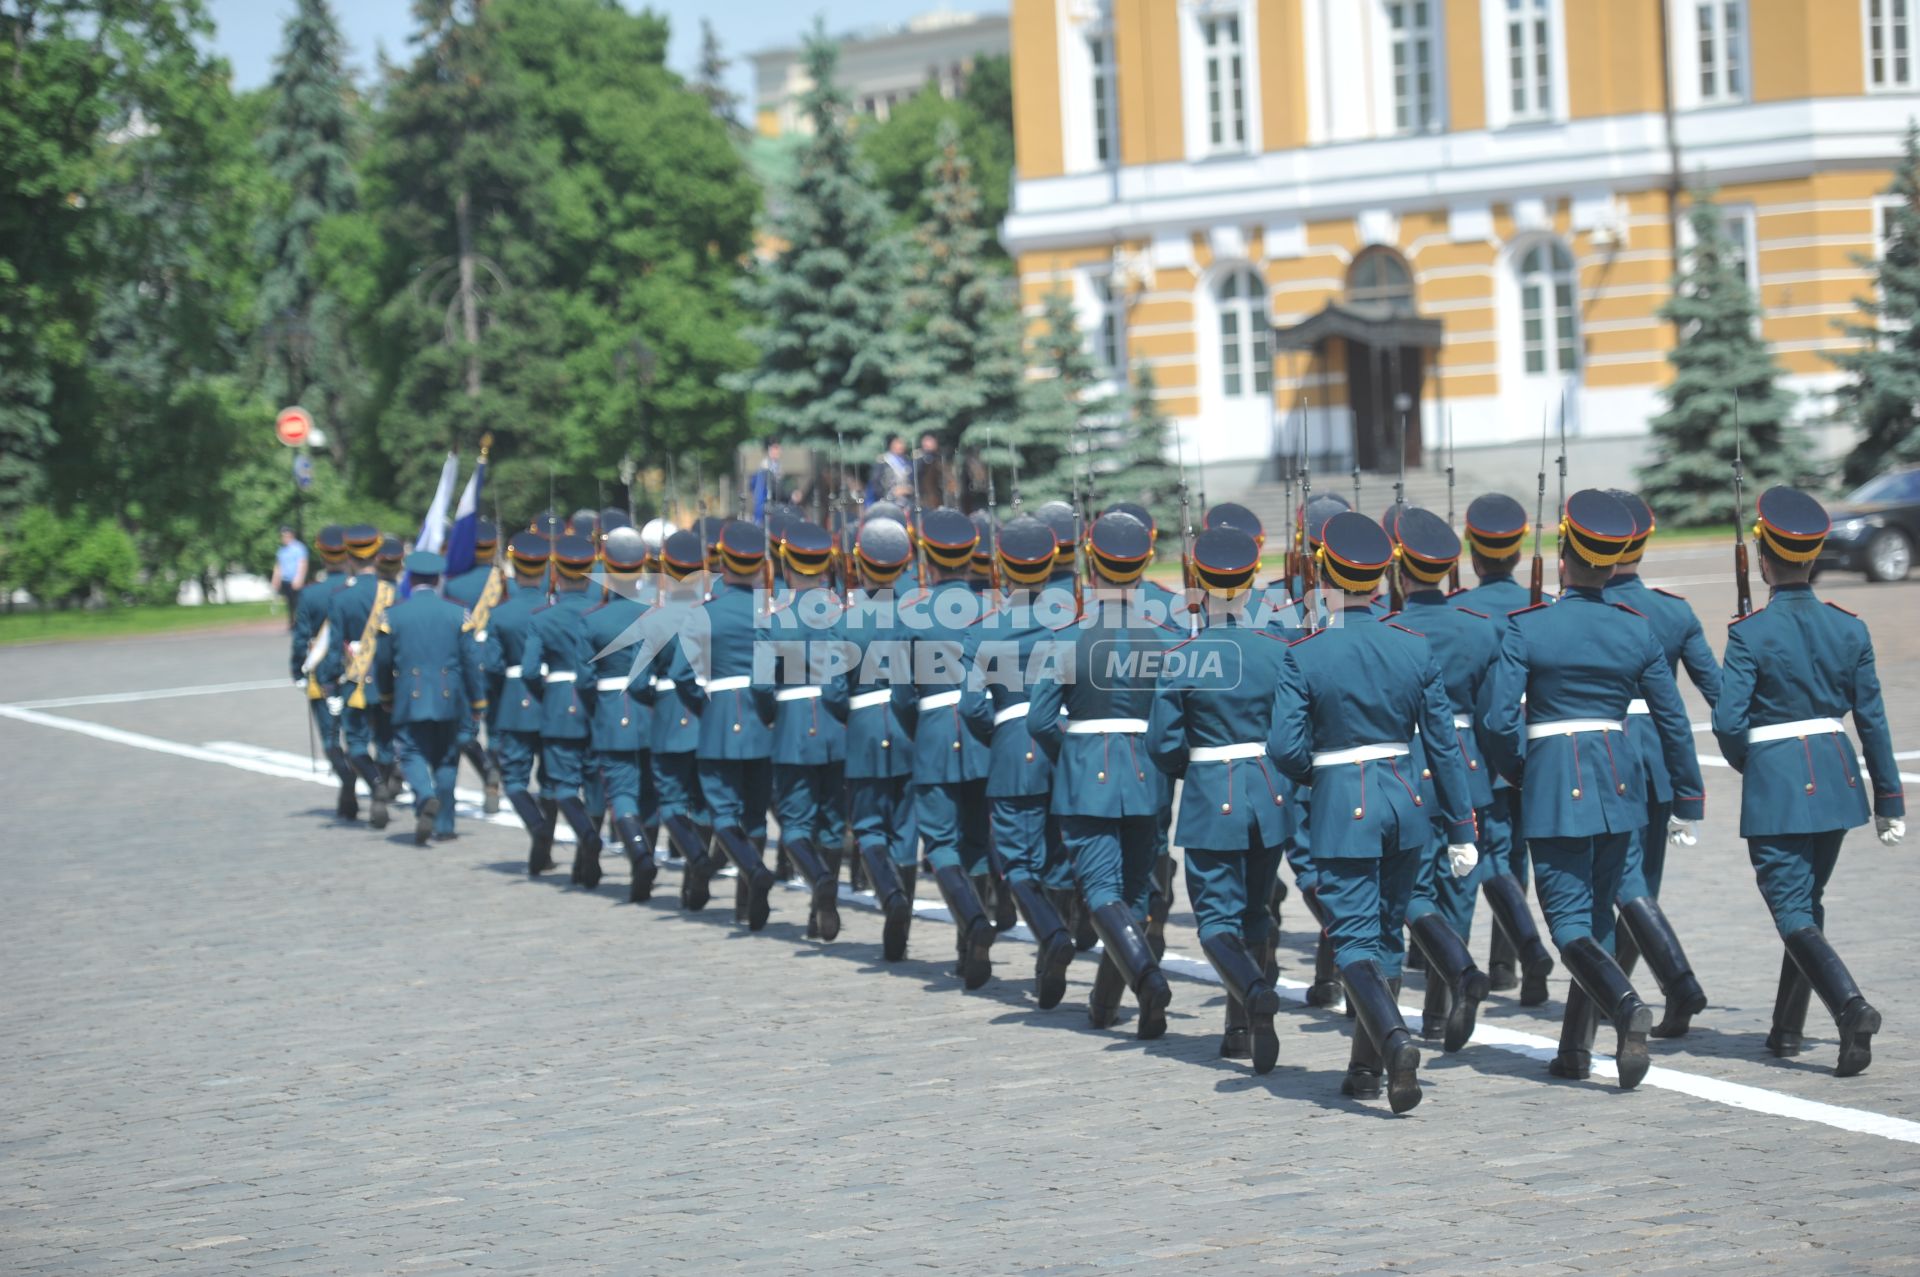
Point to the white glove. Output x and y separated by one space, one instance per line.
336 705
1462 857
300 681
1686 833
1890 828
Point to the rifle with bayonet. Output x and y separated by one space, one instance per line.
1537 586
1742 577
1189 573
1453 573
993 521
1396 587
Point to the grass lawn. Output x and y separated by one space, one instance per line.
115 622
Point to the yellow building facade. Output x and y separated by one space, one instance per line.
1314 215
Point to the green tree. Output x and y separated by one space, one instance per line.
1136 467
710 80
900 149
1720 368
311 144
826 304
961 371
1884 395
1060 402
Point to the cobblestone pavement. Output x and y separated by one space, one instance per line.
239 1038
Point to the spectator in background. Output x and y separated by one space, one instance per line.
933 474
892 476
289 569
766 483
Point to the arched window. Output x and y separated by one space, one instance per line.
1379 277
1246 360
1549 339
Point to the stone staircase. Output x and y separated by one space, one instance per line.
1268 501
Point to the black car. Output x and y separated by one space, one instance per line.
1876 528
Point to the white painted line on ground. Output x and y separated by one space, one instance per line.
157 694
285 766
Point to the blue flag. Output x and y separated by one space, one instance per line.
466 523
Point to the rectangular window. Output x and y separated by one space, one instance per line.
1230 351
1414 107
1739 228
1226 83
1890 44
1099 51
1110 338
1529 59
1720 26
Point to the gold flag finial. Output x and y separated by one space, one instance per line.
486 444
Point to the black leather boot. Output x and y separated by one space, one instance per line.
696 874
539 857
489 774
1377 1018
586 845
1502 962
893 888
755 878
1236 1039
1513 916
1326 989
1450 969
1248 986
1789 1010
857 868
1433 1006
821 880
1126 944
549 821
346 806
424 811
1103 999
1053 942
376 787
1159 906
1852 1014
1614 997
1575 1060
972 928
640 866
1653 935
1074 910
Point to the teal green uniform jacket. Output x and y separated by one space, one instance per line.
1678 632
1465 643
1798 658
1365 682
557 644
623 708
676 719
1001 646
1584 658
466 588
427 668
309 614
944 750
347 611
1115 657
879 660
806 624
507 628
719 645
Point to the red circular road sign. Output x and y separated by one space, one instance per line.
293 425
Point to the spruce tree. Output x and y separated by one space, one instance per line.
310 141
1720 367
961 370
710 80
828 301
1134 450
1884 395
1050 434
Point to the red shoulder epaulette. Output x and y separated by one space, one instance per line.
1456 593
1390 615
1626 608
1304 637
1469 611
1748 617
1836 607
1183 642
1531 607
1277 638
1403 629
1669 593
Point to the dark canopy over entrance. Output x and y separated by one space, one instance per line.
1386 348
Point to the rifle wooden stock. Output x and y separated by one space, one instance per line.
1537 587
1742 580
1453 578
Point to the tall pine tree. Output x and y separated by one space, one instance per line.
1061 399
828 301
710 80
311 146
1885 392
960 377
1720 367
1135 451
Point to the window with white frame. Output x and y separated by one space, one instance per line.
1223 63
1549 333
1737 228
1246 359
1413 46
1100 58
1109 336
1529 60
1890 44
1721 43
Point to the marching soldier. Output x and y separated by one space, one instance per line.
517 722
352 616
429 673
1209 728
466 588
876 696
1019 774
1793 669
470 590
1496 526
1647 930
557 668
623 708
1349 699
311 639
950 764
1106 792
809 743
676 720
1577 665
1464 643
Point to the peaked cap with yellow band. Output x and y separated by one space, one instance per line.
1595 528
528 552
1318 511
1427 547
948 537
883 549
1138 511
805 547
1225 561
573 557
1354 552
362 540
1496 524
1121 548
681 554
1229 514
390 557
624 551
332 544
1642 524
742 547
983 548
1027 548
1059 517
1792 525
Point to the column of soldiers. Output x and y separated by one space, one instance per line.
1009 707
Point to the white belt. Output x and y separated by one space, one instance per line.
1227 753
1788 731
940 700
614 683
1569 726
733 683
1464 722
798 693
559 676
515 671
1106 726
863 699
1361 754
1011 712
663 685
1638 707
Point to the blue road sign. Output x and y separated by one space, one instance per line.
303 470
